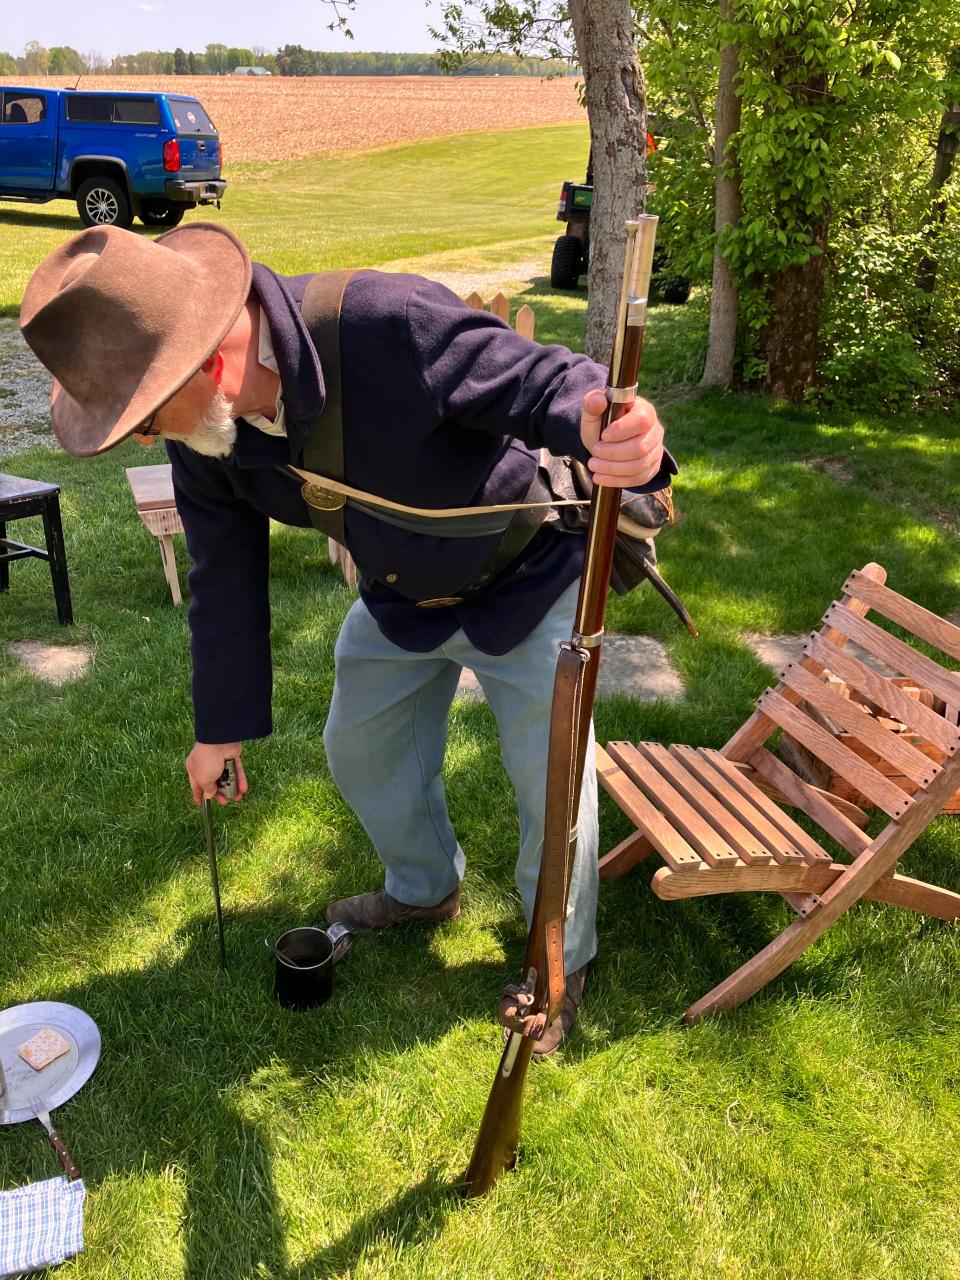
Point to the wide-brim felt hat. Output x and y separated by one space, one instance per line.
123 321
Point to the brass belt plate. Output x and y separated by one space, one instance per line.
314 495
441 602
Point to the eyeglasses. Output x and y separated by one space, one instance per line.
148 429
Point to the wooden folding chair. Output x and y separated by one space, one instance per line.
717 818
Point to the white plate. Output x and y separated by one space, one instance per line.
60 1079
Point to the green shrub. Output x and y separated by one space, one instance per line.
871 348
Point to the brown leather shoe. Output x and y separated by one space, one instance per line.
557 1032
377 910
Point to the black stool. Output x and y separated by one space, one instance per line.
20 498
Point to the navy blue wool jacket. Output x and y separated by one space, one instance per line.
443 406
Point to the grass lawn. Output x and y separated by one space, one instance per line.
810 1134
360 209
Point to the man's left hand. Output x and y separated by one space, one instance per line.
629 452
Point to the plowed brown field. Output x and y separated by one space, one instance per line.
287 117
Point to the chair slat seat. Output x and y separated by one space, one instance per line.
799 839
749 804
706 839
750 848
665 839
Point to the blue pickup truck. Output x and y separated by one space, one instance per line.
118 155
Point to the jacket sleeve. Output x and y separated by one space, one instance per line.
229 611
482 374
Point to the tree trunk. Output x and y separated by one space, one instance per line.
616 107
794 328
722 342
948 144
796 296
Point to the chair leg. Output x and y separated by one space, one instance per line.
901 891
917 895
758 971
4 565
170 566
53 529
622 857
860 878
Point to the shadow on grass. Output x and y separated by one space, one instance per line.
411 1218
203 1072
28 217
55 221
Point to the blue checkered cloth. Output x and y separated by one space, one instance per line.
41 1225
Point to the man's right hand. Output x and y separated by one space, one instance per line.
205 764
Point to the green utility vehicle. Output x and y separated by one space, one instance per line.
571 252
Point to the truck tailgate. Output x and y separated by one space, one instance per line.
198 139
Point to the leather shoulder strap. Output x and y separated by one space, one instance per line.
323 452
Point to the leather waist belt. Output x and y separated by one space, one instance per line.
459 522
326 494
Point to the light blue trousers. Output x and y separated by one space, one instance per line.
385 740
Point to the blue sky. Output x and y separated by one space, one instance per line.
127 26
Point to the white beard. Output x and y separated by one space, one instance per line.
216 434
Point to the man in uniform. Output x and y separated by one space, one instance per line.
416 403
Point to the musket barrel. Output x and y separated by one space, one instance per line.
495 1149
624 367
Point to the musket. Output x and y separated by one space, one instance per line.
540 994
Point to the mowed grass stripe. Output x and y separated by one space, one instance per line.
365 208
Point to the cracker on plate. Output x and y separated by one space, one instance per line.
43 1048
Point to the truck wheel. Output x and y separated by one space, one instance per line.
161 213
565 267
102 202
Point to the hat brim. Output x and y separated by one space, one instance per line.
219 288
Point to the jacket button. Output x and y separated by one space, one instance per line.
391 577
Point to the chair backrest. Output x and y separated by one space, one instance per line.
828 693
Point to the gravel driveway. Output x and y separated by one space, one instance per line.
24 394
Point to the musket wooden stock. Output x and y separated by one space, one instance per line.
574 689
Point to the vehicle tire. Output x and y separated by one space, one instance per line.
565 266
161 213
102 202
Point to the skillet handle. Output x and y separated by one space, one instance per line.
63 1155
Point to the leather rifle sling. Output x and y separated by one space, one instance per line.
323 452
560 818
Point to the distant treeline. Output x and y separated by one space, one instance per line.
290 60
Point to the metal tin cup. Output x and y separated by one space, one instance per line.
305 959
